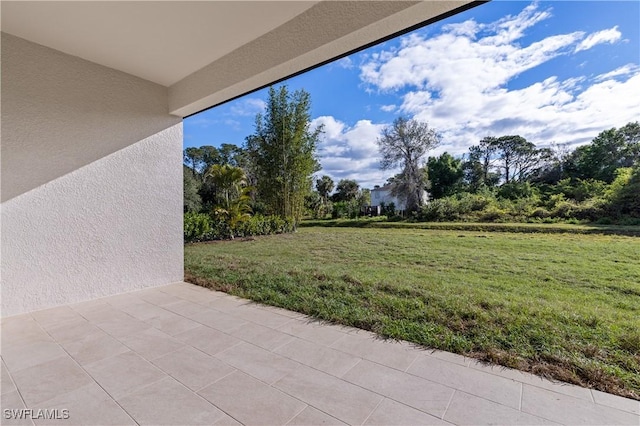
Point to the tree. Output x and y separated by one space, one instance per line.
193 157
518 158
324 185
610 150
228 182
478 168
230 154
190 185
445 175
346 190
404 144
210 157
624 193
552 166
364 198
283 150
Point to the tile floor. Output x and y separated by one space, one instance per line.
181 354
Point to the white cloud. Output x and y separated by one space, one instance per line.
388 108
248 107
345 62
458 81
201 122
624 70
605 36
350 152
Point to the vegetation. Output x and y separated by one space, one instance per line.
404 143
283 150
559 305
501 179
205 227
261 188
381 222
446 174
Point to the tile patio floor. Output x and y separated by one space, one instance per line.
181 354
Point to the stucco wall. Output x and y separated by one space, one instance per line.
91 181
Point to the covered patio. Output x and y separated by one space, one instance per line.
97 325
182 354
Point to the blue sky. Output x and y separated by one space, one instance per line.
552 72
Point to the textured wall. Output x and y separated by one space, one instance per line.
91 181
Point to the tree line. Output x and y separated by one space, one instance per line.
509 178
267 185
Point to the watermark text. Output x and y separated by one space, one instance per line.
35 414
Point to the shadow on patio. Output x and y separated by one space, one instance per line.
182 354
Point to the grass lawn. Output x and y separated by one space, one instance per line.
565 306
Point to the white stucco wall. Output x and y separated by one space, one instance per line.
91 180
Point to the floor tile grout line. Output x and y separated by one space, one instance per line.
402 402
291 339
520 399
14 384
213 355
299 364
299 399
448 404
347 372
544 417
406 370
292 360
361 387
220 378
554 383
461 390
190 391
372 411
296 415
93 378
307 339
271 386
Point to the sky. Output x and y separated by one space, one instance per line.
554 72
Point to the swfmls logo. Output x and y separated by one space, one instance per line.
41 414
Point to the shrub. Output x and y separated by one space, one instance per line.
264 225
564 209
439 210
203 227
196 226
591 209
515 190
494 214
345 209
580 189
389 210
624 193
540 213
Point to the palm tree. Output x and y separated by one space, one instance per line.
233 205
228 181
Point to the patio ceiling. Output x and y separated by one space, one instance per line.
208 52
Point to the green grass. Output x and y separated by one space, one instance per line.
546 228
565 306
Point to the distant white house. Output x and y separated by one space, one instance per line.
382 196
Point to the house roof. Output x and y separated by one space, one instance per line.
208 52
